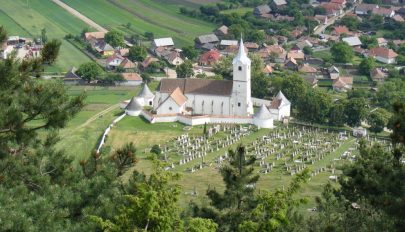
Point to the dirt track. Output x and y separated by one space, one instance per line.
78 15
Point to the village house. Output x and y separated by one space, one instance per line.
342 3
148 61
268 69
311 80
340 30
353 41
385 12
273 53
334 72
114 61
72 78
332 9
378 75
296 54
262 11
364 9
291 64
222 31
384 55
398 18
163 42
174 58
209 58
225 43
307 69
278 4
104 48
91 36
342 84
382 42
251 46
206 42
126 64
130 79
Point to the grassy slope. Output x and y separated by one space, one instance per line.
144 16
85 138
58 23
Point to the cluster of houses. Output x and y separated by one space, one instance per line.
23 48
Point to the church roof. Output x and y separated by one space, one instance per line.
279 100
134 105
178 96
145 92
197 86
263 113
241 56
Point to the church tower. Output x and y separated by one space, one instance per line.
241 93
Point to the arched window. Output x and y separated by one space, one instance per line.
240 68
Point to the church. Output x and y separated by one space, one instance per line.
197 101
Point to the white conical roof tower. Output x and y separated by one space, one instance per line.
241 57
134 105
263 113
145 92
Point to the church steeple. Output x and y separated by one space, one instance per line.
241 57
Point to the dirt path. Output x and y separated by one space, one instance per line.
80 16
98 115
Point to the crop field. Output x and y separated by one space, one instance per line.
188 3
164 20
29 20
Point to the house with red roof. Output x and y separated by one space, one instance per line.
209 58
384 55
340 30
342 84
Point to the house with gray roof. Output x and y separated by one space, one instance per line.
202 40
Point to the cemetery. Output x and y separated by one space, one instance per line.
280 153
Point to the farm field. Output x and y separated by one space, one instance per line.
43 14
188 3
144 16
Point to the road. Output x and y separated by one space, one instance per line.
80 16
332 20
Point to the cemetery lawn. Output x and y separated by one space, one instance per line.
144 135
28 21
143 16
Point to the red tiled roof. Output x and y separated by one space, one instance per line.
131 76
341 30
210 57
383 52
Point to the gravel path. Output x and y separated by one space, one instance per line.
80 16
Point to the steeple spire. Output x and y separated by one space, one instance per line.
241 56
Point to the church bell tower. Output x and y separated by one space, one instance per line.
241 93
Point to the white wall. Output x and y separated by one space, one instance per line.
260 102
169 107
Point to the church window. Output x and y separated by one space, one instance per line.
170 108
240 68
239 104
150 103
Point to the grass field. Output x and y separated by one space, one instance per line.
240 11
144 16
85 129
188 3
20 18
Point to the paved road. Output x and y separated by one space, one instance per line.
78 15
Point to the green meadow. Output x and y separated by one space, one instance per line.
144 16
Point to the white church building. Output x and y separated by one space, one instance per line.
198 101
